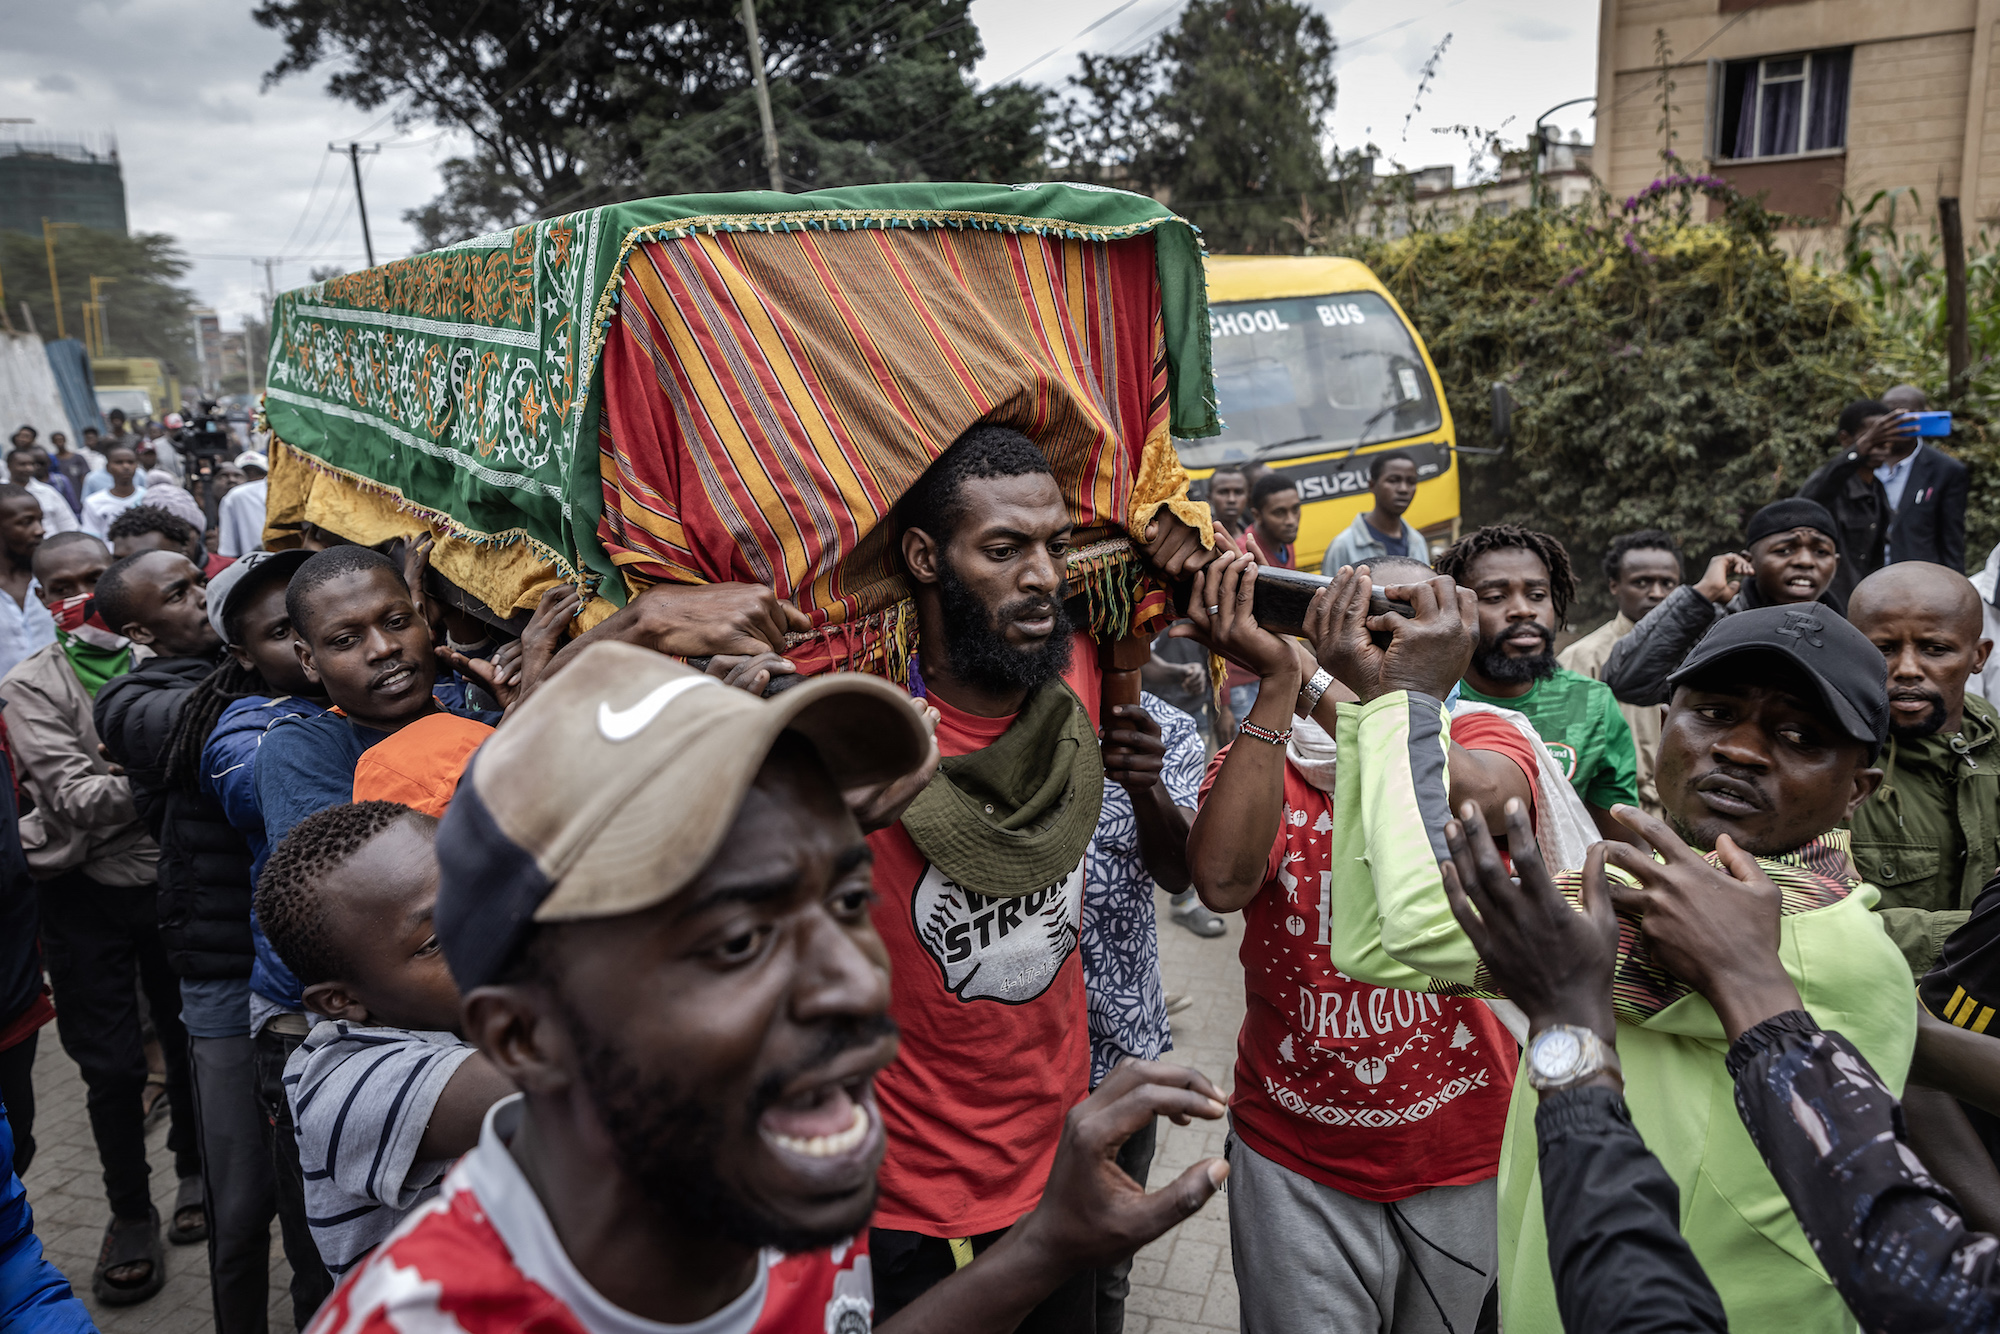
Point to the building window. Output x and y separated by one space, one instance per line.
1778 106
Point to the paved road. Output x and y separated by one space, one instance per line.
1183 1282
1180 1283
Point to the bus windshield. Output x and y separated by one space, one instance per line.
1302 375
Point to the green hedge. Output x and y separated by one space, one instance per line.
1668 373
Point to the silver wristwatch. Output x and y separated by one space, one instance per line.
1563 1055
1316 687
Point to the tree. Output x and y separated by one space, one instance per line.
1669 374
146 312
573 105
1223 117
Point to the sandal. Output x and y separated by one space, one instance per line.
190 1220
128 1244
154 1100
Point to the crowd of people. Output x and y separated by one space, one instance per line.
620 979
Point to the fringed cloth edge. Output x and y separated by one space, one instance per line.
847 220
509 570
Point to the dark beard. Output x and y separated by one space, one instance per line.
1491 661
669 1140
1928 725
980 655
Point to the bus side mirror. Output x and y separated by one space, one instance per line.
1503 413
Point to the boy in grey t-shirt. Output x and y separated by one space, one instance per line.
384 1092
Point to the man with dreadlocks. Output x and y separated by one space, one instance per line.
156 599
1523 582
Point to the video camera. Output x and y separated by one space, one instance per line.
205 442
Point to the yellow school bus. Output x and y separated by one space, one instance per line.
1317 369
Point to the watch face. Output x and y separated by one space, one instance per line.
1556 1054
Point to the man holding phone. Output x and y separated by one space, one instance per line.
1865 436
1926 490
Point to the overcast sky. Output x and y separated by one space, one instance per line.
236 173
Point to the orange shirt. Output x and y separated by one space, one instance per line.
419 765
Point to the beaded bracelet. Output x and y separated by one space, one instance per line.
1264 733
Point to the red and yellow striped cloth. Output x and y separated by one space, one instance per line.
769 395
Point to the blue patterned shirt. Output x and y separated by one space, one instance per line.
1121 943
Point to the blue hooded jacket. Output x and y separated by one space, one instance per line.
34 1296
229 774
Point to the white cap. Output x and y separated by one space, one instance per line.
251 458
174 422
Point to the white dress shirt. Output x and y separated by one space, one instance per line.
25 627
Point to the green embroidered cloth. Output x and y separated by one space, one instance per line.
466 382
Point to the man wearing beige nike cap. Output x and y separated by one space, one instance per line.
655 901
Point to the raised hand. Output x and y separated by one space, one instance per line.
1091 1212
1174 548
883 804
516 666
1427 653
1550 959
1879 438
1221 618
416 560
1725 575
751 672
698 620
1715 929
1135 753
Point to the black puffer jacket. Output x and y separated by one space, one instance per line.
204 875
1641 662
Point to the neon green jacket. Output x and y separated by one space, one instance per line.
1392 926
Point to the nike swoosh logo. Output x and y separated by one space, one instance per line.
624 724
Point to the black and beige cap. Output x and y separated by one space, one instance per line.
612 786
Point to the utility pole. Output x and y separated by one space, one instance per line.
1958 335
96 332
354 160
200 356
49 230
270 311
763 95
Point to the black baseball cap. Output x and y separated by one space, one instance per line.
1847 670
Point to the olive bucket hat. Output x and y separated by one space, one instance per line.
1016 817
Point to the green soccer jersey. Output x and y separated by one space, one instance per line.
1583 728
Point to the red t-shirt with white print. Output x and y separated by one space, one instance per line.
1376 1092
989 996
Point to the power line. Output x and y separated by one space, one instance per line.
1060 45
1144 35
907 135
311 195
1688 59
361 200
1345 47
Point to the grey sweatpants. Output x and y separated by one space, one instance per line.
1310 1258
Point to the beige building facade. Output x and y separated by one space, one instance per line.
1431 198
1804 101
